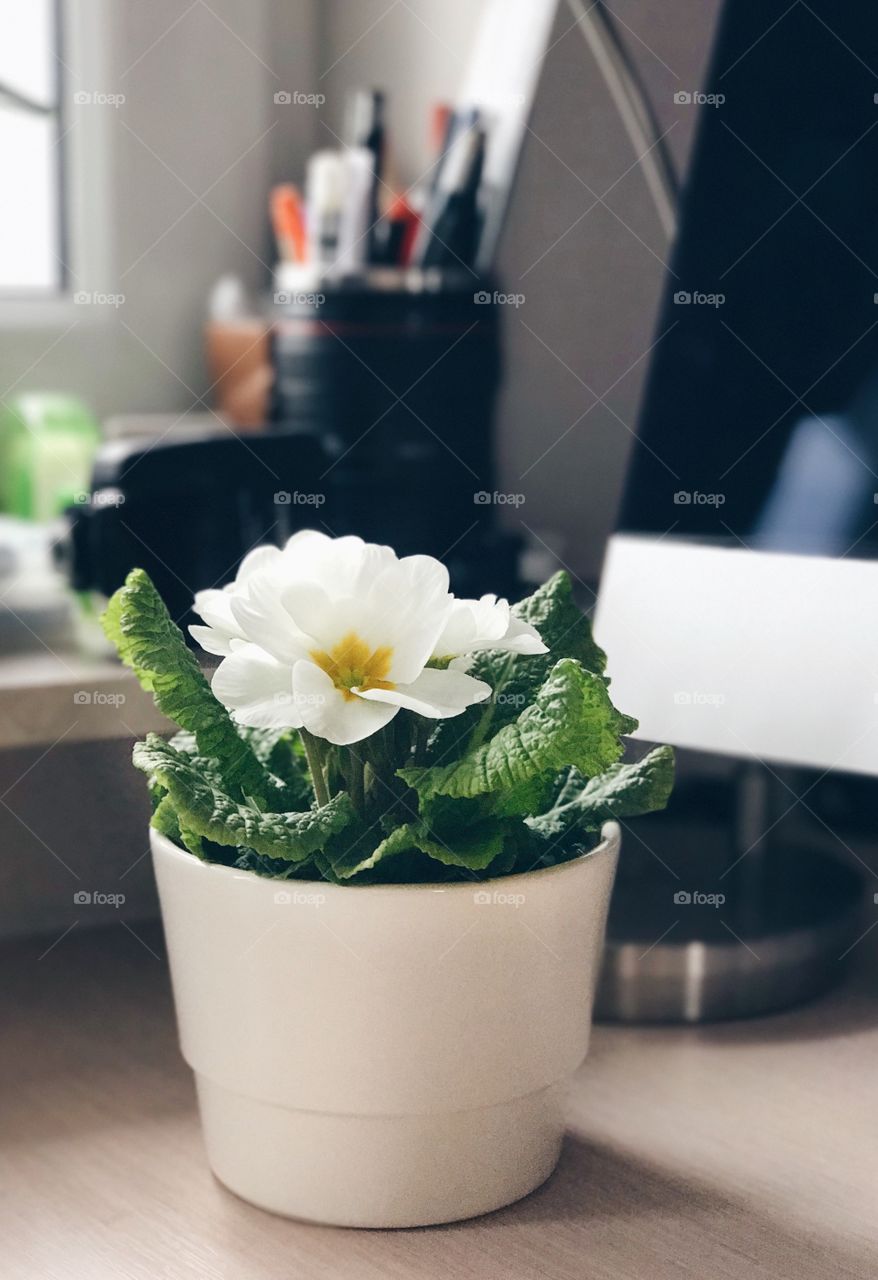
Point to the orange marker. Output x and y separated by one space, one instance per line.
401 211
288 220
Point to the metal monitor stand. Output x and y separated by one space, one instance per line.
781 935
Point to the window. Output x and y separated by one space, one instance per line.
30 151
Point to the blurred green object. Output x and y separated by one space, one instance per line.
47 445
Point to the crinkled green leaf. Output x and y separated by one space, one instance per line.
280 751
208 812
515 679
286 787
561 623
351 858
474 849
571 722
150 643
277 868
622 791
166 821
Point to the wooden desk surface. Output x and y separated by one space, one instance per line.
741 1151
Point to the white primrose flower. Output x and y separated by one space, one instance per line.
486 623
334 636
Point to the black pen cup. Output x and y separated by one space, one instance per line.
397 376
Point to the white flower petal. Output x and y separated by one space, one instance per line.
319 617
410 602
487 623
437 694
342 566
257 689
215 607
255 561
213 640
521 637
326 712
260 616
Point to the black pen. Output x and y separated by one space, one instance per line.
367 129
451 231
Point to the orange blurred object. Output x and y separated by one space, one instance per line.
440 118
239 363
288 220
401 211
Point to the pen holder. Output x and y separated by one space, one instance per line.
396 375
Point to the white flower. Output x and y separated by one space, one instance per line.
215 607
487 623
334 636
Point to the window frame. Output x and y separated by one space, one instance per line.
83 45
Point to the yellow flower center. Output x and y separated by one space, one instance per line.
351 664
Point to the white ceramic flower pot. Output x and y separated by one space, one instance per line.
383 1056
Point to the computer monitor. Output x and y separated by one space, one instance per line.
739 599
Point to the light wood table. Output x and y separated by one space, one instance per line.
49 697
740 1151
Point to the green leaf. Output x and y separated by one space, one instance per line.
277 868
474 849
571 722
287 787
561 623
515 679
164 819
208 812
351 858
623 791
150 643
280 751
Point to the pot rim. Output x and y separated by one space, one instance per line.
611 834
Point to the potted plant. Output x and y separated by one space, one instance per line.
384 848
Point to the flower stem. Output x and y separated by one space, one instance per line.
314 756
356 781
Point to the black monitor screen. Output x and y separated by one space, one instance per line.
760 420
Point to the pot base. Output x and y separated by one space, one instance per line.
381 1171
